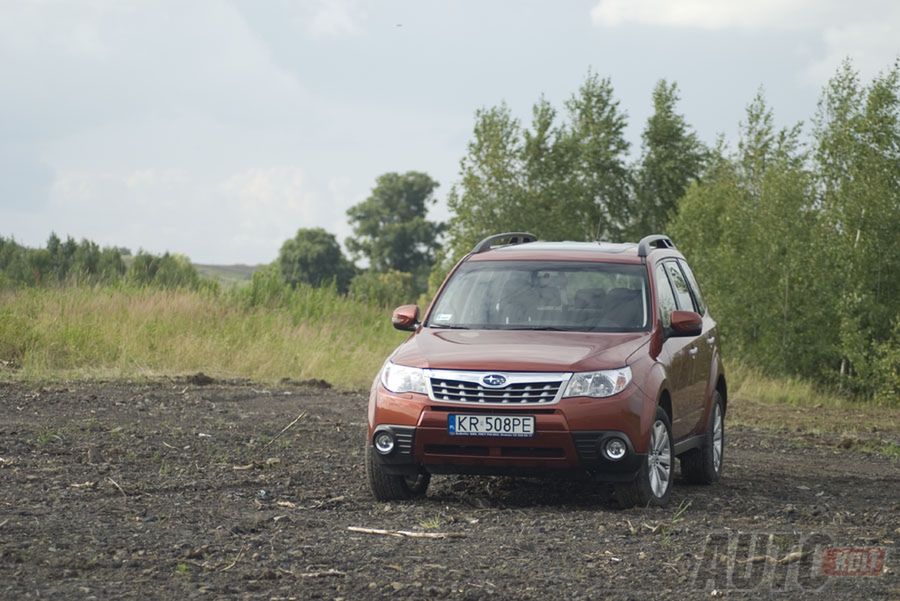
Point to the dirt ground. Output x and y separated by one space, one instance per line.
182 488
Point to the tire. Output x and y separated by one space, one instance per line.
703 465
653 484
393 487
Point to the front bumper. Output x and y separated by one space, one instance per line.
569 437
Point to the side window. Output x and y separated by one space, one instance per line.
664 297
682 293
692 281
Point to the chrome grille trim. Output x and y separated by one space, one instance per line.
521 388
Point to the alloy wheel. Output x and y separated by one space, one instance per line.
718 438
660 459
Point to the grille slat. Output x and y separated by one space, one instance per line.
471 392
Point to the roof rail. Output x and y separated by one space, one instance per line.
513 237
653 241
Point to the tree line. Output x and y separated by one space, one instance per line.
70 262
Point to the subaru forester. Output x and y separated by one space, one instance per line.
588 358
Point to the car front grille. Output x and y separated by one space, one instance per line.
473 392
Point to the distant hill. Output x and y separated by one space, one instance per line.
227 275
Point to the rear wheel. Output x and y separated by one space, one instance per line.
393 487
653 484
704 464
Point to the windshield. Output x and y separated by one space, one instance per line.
539 295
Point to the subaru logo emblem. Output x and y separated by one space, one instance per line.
493 380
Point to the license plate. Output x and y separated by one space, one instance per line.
490 425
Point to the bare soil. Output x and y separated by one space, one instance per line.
181 489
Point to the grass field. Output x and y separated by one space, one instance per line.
265 331
261 331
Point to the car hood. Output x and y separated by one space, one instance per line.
494 350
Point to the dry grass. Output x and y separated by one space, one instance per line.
798 410
749 382
126 332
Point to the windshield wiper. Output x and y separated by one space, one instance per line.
446 326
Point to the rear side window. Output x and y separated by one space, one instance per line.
664 297
692 281
679 284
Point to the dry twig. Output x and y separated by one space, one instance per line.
116 484
236 559
406 533
328 572
285 429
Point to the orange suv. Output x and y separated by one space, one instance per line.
553 357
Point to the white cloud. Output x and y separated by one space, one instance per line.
872 46
334 18
703 14
259 188
865 30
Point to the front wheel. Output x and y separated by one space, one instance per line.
653 484
393 487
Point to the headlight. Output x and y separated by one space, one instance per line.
599 383
399 378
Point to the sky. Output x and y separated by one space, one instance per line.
218 128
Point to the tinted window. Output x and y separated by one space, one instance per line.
664 297
543 295
692 281
679 284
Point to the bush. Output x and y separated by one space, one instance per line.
165 271
387 289
887 368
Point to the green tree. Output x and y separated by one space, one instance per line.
749 229
110 266
672 157
314 257
559 180
86 262
487 197
857 135
599 181
165 271
391 229
14 267
383 289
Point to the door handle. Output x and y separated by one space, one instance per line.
693 352
711 340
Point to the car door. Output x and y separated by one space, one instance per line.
695 390
676 357
706 345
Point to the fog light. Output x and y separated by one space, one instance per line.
384 442
615 448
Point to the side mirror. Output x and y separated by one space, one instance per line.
406 317
686 323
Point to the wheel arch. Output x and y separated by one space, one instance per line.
665 402
722 389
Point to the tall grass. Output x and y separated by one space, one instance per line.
748 382
264 331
